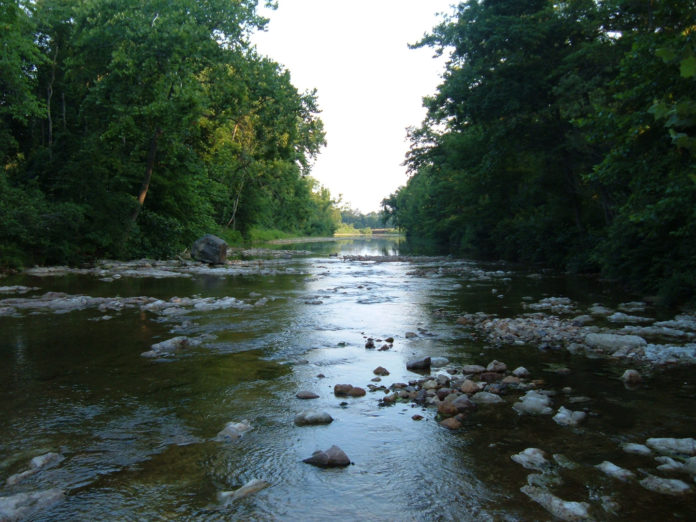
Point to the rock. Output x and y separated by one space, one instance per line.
521 372
615 471
531 458
564 461
422 364
389 340
566 417
562 509
473 368
613 343
451 423
544 480
690 466
620 317
411 335
209 249
636 449
313 418
669 464
169 346
447 409
305 394
370 343
511 379
24 505
417 417
533 403
233 431
665 486
673 446
597 309
490 376
36 464
469 386
356 391
486 398
496 366
331 458
251 487
380 371
384 347
631 377
439 362
342 390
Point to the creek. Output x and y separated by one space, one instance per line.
136 434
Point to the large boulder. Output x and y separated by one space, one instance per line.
209 249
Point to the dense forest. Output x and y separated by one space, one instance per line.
562 133
130 127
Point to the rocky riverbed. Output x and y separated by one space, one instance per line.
331 383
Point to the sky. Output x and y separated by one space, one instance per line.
369 84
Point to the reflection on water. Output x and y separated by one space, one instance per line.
138 434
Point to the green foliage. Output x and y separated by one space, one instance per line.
562 133
138 126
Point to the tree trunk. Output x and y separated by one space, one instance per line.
232 221
149 167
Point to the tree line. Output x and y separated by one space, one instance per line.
130 127
562 133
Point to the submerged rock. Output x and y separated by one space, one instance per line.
615 471
631 377
313 418
665 486
251 487
331 458
487 398
306 394
636 449
233 431
170 345
533 403
563 509
566 417
531 458
36 464
24 505
613 343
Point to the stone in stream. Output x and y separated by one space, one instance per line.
636 449
380 371
533 403
520 372
531 458
233 431
496 366
209 249
486 398
306 394
251 487
631 377
36 464
370 343
613 343
469 387
665 486
686 446
615 471
170 345
439 362
331 458
566 417
472 368
562 509
312 418
22 506
422 364
348 390
451 423
411 335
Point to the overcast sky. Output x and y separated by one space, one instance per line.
370 84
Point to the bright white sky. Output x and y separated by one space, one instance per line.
370 84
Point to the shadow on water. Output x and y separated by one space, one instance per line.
138 434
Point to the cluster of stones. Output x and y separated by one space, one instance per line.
587 332
674 456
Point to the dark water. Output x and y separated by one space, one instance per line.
138 434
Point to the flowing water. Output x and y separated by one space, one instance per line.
138 434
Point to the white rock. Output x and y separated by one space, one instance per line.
23 505
566 417
233 431
669 464
620 317
439 362
251 487
531 458
36 464
562 509
615 471
533 403
521 372
636 449
686 446
612 342
669 354
665 486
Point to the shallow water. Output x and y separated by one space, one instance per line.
138 433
